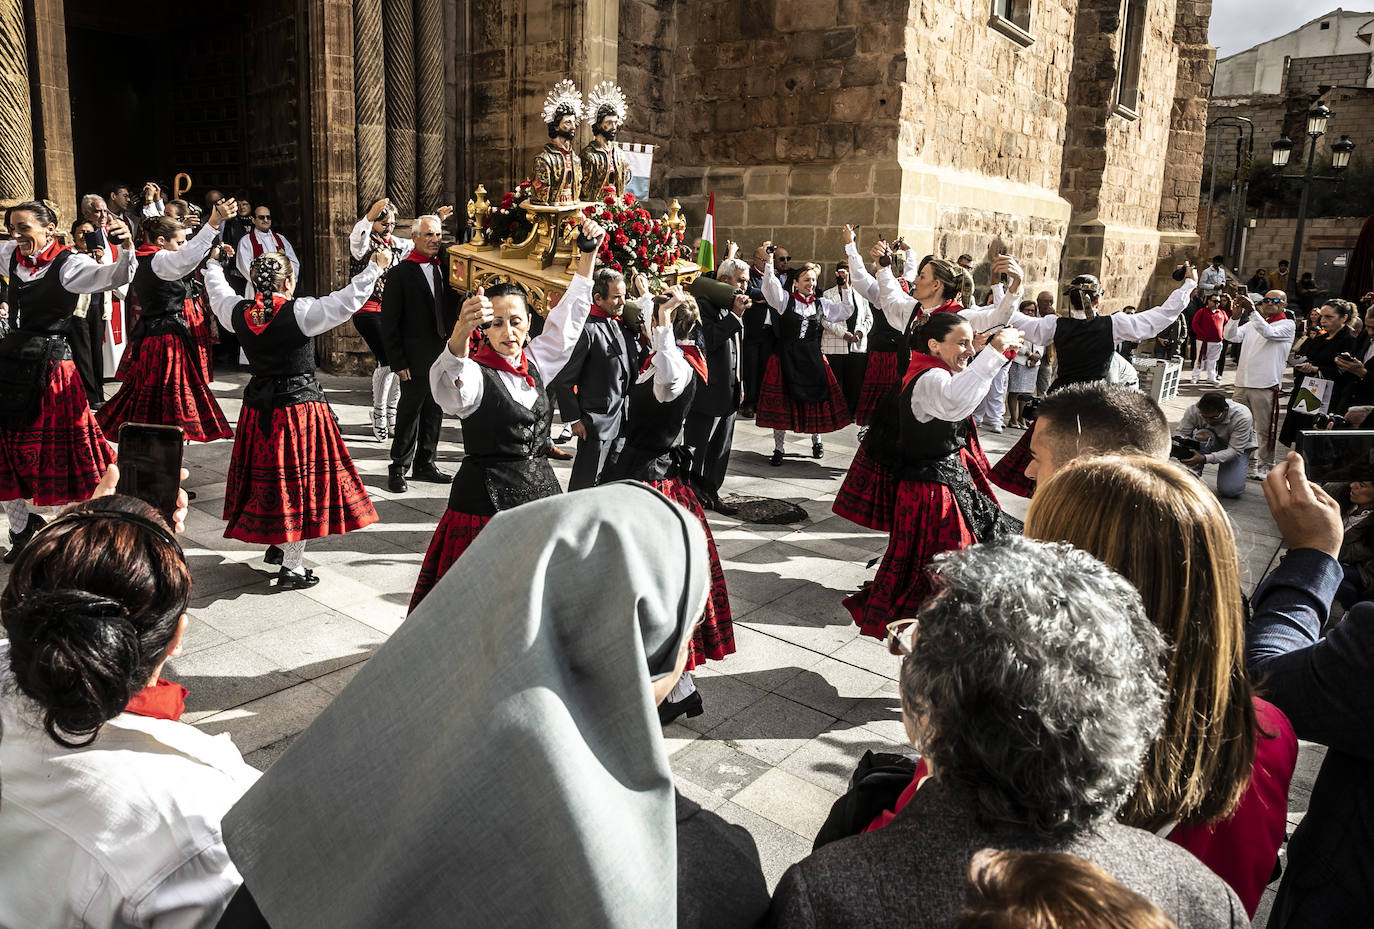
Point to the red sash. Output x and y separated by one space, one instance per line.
257 246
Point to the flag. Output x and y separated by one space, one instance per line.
706 254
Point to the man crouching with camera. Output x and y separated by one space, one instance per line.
1216 431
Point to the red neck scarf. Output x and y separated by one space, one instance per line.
599 313
163 700
43 258
257 316
691 353
257 246
488 357
950 306
419 259
921 362
1275 318
807 301
144 250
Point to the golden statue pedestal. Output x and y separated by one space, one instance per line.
543 264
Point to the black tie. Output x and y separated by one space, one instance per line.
439 302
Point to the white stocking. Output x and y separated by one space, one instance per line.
683 689
292 554
778 436
18 512
380 382
393 397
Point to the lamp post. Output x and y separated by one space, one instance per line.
1240 178
1340 160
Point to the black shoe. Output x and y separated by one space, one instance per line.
17 542
273 556
748 411
690 705
430 475
190 495
290 580
817 449
396 482
776 460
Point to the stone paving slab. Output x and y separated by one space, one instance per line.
786 717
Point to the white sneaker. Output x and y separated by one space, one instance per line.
995 427
1252 473
1263 473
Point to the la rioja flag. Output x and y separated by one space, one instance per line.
706 253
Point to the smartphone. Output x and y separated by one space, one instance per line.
1346 356
150 465
1337 455
94 240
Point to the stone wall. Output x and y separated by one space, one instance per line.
1271 240
1310 75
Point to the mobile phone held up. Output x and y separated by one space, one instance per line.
94 240
1337 454
150 465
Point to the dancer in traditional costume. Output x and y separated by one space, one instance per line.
52 449
1085 344
500 394
654 454
799 391
886 340
375 232
164 382
943 499
868 494
290 475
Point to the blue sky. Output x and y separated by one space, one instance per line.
1239 24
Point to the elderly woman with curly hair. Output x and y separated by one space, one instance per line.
1034 686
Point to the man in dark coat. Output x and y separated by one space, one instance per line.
710 426
757 343
418 314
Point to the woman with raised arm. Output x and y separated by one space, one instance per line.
52 449
291 478
799 391
500 393
164 382
943 501
654 454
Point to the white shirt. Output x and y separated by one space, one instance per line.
778 299
899 306
174 265
953 397
1263 350
669 368
315 317
1236 431
859 278
121 833
457 383
832 339
360 240
1126 327
80 275
243 251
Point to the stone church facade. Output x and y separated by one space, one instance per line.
1067 132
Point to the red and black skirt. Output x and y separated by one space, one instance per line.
778 410
164 386
880 377
1010 470
868 494
58 457
293 482
202 337
715 635
452 537
925 522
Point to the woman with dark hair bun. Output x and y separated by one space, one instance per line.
943 501
163 370
111 807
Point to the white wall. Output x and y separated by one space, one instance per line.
1260 70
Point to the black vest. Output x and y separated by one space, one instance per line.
503 450
652 432
44 305
39 311
928 442
281 359
799 350
356 265
883 337
1084 347
158 297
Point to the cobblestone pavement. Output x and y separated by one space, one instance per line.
787 716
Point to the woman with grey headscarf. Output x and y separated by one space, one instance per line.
1033 685
509 769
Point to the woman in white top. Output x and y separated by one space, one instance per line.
110 807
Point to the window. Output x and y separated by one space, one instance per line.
1012 18
1128 61
1326 25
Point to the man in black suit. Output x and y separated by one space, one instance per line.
757 343
710 426
417 315
602 367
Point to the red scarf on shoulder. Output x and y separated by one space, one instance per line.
921 362
488 357
43 258
419 259
256 315
163 700
693 355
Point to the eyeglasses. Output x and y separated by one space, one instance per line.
263 216
1274 300
896 630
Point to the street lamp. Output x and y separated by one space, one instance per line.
1340 160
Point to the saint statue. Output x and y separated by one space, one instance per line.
557 172
603 163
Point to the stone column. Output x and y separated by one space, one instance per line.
54 162
16 125
429 104
400 104
369 101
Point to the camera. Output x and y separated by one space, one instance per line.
1182 448
771 249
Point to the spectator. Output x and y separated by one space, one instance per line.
1278 278
1028 890
1227 433
1126 348
966 261
1258 282
88 326
111 808
1033 687
566 816
1264 342
1319 361
1360 390
1095 418
757 343
261 240
1023 374
1307 293
1216 780
1212 280
1207 325
1357 548
1044 306
1326 686
120 203
845 340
